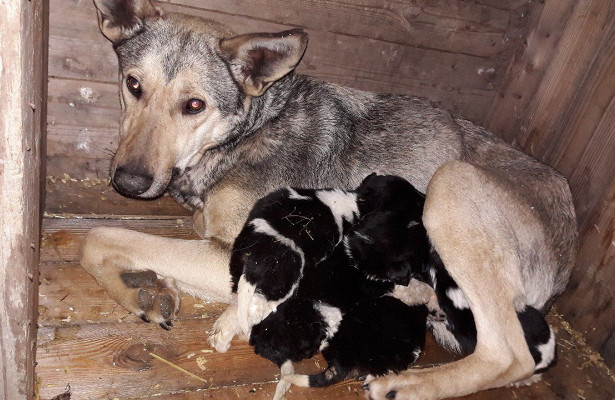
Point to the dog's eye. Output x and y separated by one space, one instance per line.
134 86
195 106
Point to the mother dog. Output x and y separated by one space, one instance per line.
219 120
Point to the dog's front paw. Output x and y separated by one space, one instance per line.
224 329
404 386
150 298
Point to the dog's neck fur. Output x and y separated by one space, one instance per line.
290 95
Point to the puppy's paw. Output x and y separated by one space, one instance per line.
150 298
224 329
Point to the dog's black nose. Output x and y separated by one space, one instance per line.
131 182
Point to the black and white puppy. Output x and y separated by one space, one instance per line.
337 310
458 331
291 230
299 292
399 238
286 233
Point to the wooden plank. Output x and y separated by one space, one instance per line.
80 168
265 391
68 195
61 238
433 73
574 130
550 108
528 67
89 342
84 109
23 32
83 129
594 169
84 113
588 301
451 26
83 103
112 360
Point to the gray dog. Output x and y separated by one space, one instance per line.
219 120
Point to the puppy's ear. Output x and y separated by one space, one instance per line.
258 60
121 19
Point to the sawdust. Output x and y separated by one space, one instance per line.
592 357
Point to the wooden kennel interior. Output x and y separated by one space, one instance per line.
538 73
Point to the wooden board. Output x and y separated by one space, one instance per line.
67 195
23 66
62 236
508 112
588 302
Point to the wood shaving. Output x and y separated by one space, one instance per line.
177 367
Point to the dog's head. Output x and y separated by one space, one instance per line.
185 86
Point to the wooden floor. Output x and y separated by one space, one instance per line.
88 342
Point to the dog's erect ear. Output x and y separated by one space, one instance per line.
121 19
258 60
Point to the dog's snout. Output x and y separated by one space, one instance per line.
131 182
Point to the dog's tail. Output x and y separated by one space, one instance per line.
327 377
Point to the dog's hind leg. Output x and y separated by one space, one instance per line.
469 219
144 272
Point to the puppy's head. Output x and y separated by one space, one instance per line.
388 248
392 194
185 87
294 331
389 242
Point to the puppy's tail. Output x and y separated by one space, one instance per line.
327 377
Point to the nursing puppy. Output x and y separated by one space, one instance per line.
287 232
218 120
399 238
379 336
312 295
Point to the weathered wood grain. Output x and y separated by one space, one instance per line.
23 68
588 302
570 124
398 57
549 110
61 237
528 66
67 195
451 26
110 360
452 52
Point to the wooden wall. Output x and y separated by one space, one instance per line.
22 116
560 97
